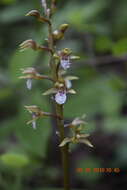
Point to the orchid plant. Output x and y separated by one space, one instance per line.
60 62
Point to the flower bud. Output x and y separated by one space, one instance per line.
63 27
28 44
33 13
59 33
66 52
36 14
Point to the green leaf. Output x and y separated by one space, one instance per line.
15 160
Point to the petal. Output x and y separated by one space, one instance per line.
50 91
86 141
60 97
78 121
68 83
34 117
71 91
65 141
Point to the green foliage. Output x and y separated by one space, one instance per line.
15 160
103 44
120 47
101 90
7 1
95 96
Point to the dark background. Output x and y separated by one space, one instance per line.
30 159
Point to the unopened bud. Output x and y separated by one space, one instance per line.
28 44
63 27
33 13
36 14
66 52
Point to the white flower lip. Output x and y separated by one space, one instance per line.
34 124
60 97
29 84
34 121
65 63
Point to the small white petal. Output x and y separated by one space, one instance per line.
60 97
34 124
34 121
68 83
56 32
65 63
29 84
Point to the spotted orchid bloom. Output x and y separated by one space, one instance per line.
65 63
29 74
35 112
61 97
78 135
60 90
65 58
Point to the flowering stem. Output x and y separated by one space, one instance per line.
64 149
60 121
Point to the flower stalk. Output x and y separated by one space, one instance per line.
60 62
64 149
60 122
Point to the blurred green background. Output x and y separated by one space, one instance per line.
30 159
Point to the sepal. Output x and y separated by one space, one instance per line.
65 141
50 91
